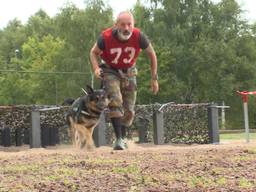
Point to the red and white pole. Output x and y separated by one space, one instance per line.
246 118
244 95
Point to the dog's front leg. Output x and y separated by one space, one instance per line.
89 140
77 139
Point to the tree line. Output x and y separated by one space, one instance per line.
206 51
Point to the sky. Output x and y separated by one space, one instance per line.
23 9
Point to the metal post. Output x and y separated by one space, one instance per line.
57 135
99 133
45 135
246 122
6 137
26 136
18 140
223 119
56 91
142 130
52 136
35 135
244 95
213 124
158 123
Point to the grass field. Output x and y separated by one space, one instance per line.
236 136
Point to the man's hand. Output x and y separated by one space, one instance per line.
154 86
94 53
98 72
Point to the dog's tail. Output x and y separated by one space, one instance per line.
68 101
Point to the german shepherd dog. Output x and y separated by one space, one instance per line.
84 115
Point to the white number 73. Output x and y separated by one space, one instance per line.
118 52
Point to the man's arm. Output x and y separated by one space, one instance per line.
154 77
94 53
152 56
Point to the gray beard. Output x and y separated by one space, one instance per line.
123 37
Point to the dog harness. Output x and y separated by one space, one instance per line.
80 107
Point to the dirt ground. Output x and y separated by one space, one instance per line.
228 166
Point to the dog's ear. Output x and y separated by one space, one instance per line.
106 94
89 89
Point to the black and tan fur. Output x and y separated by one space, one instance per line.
84 115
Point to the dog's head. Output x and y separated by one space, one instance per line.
98 98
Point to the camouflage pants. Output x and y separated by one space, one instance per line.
122 93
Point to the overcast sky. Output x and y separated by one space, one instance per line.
23 9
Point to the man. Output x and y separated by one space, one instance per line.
119 48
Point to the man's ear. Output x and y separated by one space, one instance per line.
115 25
89 89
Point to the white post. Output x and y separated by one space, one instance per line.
223 120
246 122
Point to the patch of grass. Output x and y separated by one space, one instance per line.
10 177
53 177
2 187
241 158
134 189
218 170
133 169
22 169
65 172
250 151
244 183
236 136
221 181
200 181
160 157
168 177
59 174
103 161
147 180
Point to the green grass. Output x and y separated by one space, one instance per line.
128 169
236 136
244 183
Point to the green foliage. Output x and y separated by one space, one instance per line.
49 48
205 51
41 55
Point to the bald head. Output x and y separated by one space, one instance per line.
124 15
124 24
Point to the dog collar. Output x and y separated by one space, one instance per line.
88 114
85 113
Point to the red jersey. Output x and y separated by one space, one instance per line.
118 54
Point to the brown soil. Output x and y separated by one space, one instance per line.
229 166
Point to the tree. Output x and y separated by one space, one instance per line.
41 56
